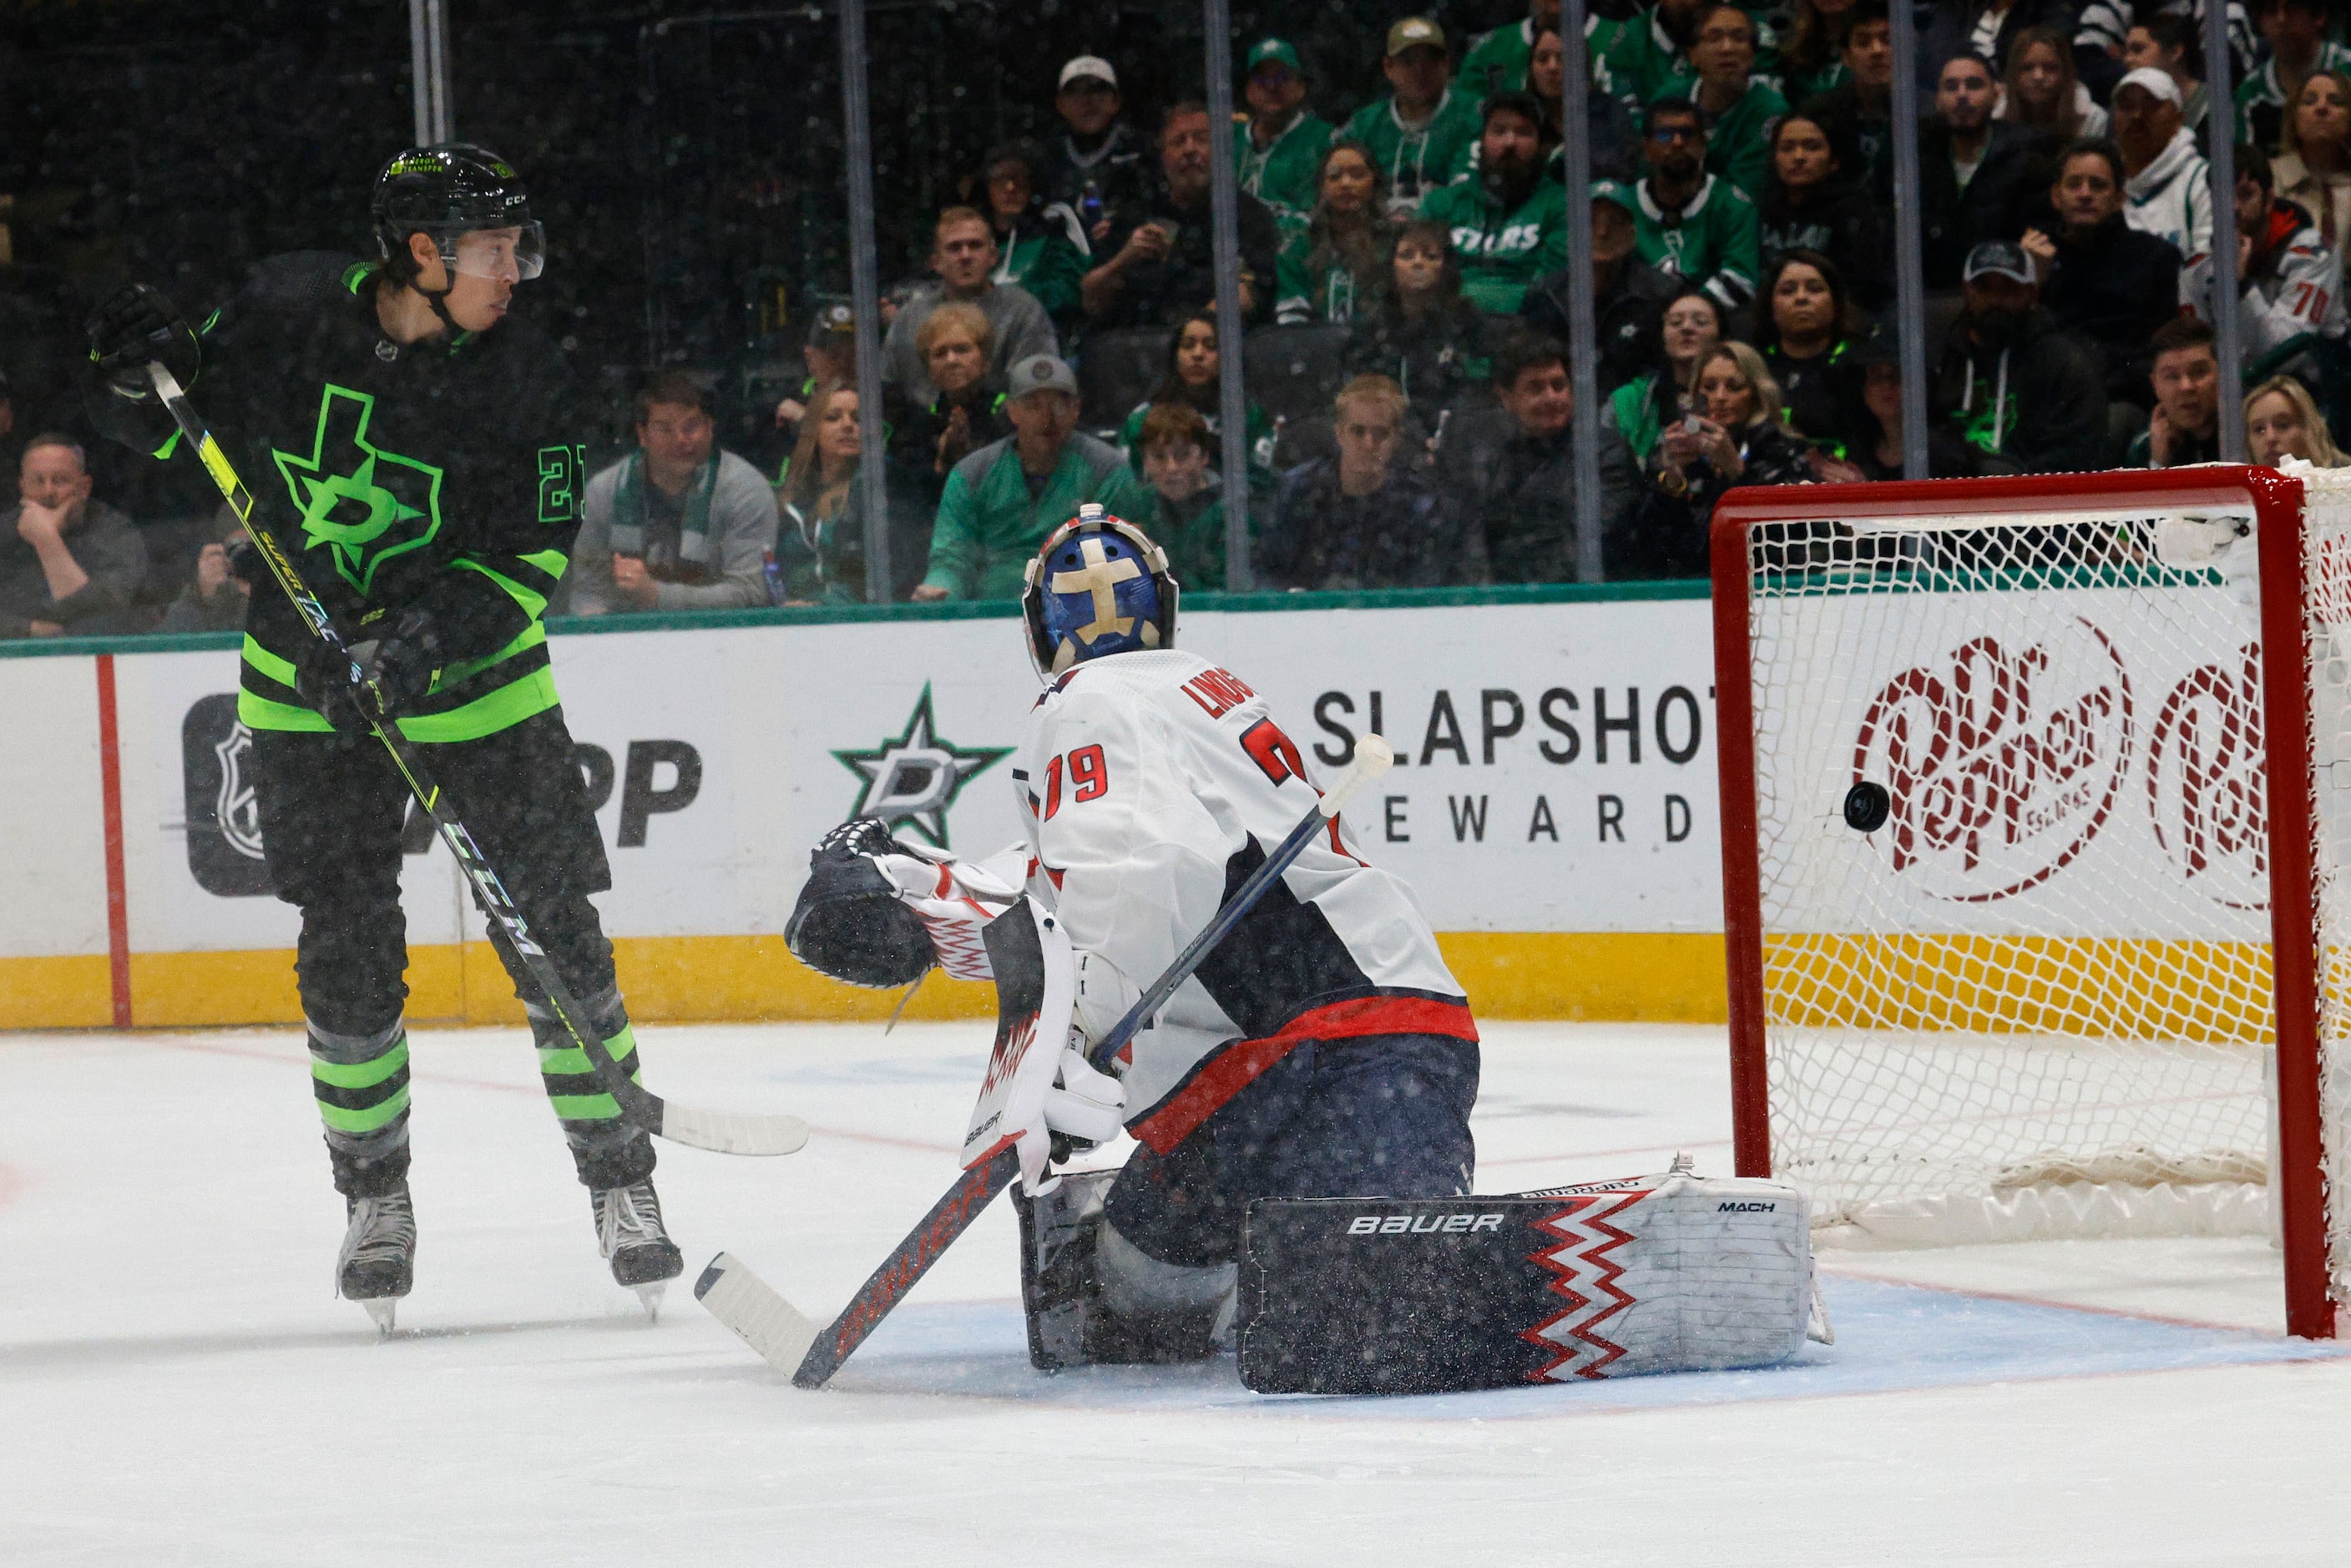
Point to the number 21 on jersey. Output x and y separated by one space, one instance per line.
560 472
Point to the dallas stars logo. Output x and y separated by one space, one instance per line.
913 778
379 506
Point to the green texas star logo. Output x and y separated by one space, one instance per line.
366 505
911 780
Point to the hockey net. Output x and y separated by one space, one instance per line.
2038 998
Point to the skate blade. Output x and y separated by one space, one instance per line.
384 1310
651 1295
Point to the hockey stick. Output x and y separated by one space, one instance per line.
788 1338
725 1133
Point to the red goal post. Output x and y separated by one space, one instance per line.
2039 997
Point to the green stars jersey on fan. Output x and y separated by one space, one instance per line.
1500 250
1643 63
1714 240
992 519
1282 173
1048 254
1499 62
443 474
1323 288
1416 162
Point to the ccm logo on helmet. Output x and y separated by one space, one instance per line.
1751 1206
1421 1224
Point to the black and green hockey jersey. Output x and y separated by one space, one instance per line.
445 474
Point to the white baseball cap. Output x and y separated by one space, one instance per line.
2158 82
1092 65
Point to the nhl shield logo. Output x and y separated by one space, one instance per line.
236 810
223 817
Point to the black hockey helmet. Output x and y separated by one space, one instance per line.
452 189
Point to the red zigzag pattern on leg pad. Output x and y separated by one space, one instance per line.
1586 1277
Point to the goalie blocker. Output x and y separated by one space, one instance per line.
1668 1273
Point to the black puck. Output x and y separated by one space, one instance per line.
1866 806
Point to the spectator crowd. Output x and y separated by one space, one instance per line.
1404 301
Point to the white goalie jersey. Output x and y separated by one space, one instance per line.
1151 785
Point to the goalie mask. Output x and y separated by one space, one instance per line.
1099 587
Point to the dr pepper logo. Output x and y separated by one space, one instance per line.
2205 781
2003 760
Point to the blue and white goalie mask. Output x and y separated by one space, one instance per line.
1099 587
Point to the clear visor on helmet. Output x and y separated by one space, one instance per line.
516 254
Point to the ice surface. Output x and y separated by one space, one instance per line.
178 1385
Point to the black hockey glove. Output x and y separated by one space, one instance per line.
403 660
400 662
323 678
138 323
849 921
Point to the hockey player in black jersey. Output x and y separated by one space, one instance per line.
418 453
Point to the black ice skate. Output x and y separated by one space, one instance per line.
378 1262
628 1232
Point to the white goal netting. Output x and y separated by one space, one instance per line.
2037 999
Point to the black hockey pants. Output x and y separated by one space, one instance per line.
331 819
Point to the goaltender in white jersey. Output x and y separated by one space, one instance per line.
1321 1050
1152 784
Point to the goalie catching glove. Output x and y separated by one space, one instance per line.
879 912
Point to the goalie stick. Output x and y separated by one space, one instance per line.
725 1133
790 1341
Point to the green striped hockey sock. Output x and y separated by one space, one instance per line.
609 1150
361 1082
